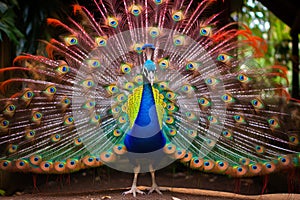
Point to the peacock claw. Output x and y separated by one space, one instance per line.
133 191
154 188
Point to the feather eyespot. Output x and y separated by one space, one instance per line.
77 141
158 2
101 41
4 124
227 98
95 119
212 119
112 22
239 119
112 89
224 58
71 40
68 120
154 32
273 123
29 134
163 63
135 10
192 66
88 83
227 134
243 78
126 68
36 117
206 31
27 95
62 69
211 81
177 16
178 40
93 63
12 148
257 104
204 102
55 138
9 110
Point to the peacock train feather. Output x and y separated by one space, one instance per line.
142 84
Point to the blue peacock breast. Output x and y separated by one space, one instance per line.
145 135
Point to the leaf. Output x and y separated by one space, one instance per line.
2 192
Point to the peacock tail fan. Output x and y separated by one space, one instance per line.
217 110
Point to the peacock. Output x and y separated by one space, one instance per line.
138 84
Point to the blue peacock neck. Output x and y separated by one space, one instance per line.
145 135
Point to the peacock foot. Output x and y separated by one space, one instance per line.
133 191
154 187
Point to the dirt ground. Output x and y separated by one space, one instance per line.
105 183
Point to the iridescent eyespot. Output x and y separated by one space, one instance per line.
190 115
192 66
117 132
243 78
192 133
186 88
126 68
77 141
170 95
154 32
273 123
5 164
138 79
122 119
177 16
68 120
89 105
204 102
239 119
163 85
12 148
29 134
72 163
62 69
64 103
244 161
129 86
172 131
35 159
50 91
55 138
164 63
112 89
171 107
100 41
206 31
95 119
4 124
212 119
211 81
115 110
257 104
71 40
169 120
158 2
135 10
121 97
259 149
224 58
9 110
293 139
36 117
138 47
88 83
93 63
227 98
178 40
112 22
227 134
27 95
21 164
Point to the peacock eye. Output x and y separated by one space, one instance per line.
129 86
239 119
192 66
205 31
135 10
273 123
88 83
50 90
158 2
89 105
138 79
126 68
95 119
30 134
138 47
154 32
177 16
71 40
112 22
69 120
243 78
224 58
257 103
227 134
212 119
227 98
62 69
178 40
55 138
204 102
36 117
77 141
112 89
121 98
186 88
163 63
211 81
93 63
27 95
100 41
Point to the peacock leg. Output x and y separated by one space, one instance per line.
134 189
154 185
